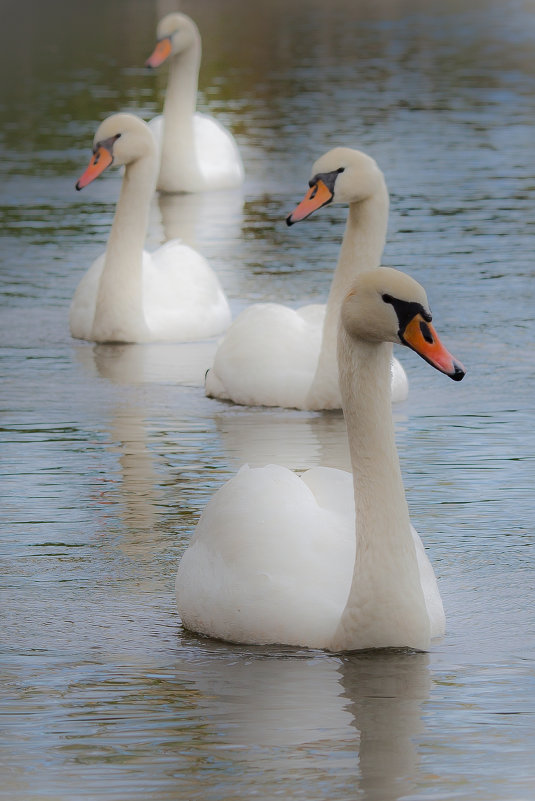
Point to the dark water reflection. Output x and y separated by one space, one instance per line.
109 454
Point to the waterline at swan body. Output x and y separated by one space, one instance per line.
329 559
273 355
128 294
196 152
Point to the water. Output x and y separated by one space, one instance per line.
109 454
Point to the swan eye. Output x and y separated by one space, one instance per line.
406 310
340 169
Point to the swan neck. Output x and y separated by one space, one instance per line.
119 306
365 387
181 96
362 249
178 144
130 222
385 606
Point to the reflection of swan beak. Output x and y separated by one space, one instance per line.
420 335
317 196
160 53
101 159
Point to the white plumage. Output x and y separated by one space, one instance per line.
197 153
273 355
128 294
278 558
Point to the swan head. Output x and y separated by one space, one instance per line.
386 305
342 175
120 139
174 34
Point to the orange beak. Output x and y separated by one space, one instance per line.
101 159
422 338
317 196
160 53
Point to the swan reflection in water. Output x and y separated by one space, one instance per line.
358 714
180 364
148 424
210 221
298 440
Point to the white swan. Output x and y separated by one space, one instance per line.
276 356
129 295
276 559
197 152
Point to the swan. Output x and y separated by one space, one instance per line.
197 152
129 295
329 559
273 355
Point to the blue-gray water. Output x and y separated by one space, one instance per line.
109 454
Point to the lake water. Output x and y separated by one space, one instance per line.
110 453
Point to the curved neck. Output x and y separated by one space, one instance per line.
178 149
362 248
386 605
119 307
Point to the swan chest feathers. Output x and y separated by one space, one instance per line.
272 560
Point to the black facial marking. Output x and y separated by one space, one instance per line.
405 311
107 143
328 178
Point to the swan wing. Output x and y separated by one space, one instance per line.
268 356
267 563
217 153
183 298
433 601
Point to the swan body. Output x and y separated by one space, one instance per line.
329 559
197 153
128 294
276 356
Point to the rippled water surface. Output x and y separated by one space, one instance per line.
110 453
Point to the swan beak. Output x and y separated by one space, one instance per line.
160 53
317 196
422 338
101 159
